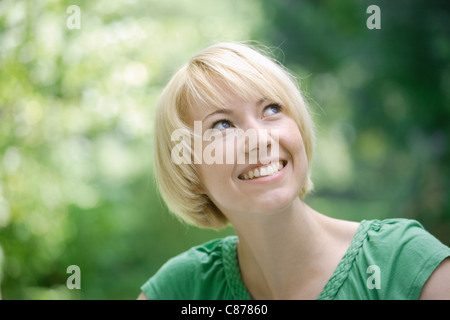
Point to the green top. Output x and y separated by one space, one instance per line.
389 259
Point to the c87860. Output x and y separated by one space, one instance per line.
246 309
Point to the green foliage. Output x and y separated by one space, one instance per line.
76 109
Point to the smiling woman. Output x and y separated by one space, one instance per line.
200 92
283 249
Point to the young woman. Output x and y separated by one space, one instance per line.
283 249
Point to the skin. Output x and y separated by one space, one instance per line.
267 214
286 250
437 286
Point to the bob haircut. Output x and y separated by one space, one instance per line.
233 67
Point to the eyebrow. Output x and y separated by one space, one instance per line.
224 111
228 111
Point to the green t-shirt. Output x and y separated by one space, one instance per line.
388 259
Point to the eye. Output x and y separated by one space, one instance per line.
271 110
221 124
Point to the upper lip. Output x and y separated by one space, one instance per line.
260 164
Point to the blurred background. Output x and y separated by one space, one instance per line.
76 106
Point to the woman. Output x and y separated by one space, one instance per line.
232 102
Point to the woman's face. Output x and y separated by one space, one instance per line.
260 163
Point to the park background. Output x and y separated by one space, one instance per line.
76 118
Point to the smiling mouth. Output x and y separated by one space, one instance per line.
263 171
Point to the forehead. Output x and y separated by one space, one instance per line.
203 96
233 105
208 93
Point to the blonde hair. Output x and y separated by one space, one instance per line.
233 67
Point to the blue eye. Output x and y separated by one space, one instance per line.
271 110
221 125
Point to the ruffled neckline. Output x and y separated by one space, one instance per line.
340 274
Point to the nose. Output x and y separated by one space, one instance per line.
259 144
256 139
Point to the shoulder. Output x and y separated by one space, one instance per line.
395 227
394 233
405 254
189 274
206 254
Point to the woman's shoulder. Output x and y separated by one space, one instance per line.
179 275
401 241
400 230
401 254
201 256
388 259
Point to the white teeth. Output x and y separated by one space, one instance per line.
263 171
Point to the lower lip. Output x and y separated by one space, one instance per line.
267 179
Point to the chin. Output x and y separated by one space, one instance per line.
268 204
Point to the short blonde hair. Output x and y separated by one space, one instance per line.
237 68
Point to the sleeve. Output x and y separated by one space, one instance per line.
193 275
406 255
169 282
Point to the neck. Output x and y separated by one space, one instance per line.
280 253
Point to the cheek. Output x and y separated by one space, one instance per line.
291 140
216 183
215 172
216 148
